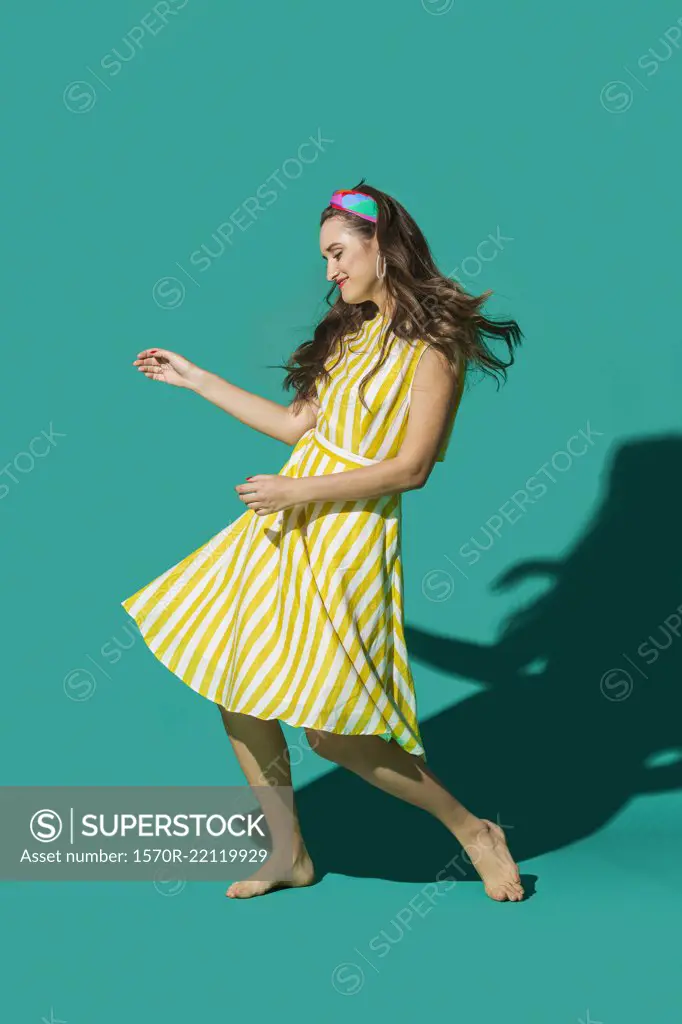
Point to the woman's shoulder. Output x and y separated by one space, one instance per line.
438 359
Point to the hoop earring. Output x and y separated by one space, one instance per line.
381 275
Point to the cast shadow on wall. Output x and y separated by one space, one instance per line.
580 706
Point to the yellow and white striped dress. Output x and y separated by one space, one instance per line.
298 615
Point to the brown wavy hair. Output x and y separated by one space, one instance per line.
427 305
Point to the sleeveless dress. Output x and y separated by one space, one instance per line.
298 615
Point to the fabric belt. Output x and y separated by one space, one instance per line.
344 453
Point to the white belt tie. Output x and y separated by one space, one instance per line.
344 453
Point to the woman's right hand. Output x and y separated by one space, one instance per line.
169 367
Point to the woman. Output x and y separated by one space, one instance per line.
294 612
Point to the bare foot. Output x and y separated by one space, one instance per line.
303 873
490 856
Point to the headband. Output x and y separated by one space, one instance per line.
355 202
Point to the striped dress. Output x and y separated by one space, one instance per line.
298 615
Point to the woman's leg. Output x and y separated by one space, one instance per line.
263 755
389 767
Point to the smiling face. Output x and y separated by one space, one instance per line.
351 262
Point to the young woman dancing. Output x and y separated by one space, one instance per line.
294 612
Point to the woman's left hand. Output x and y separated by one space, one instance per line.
265 493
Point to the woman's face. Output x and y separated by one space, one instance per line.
351 262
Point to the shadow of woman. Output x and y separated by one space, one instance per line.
580 709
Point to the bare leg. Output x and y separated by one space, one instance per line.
389 767
262 753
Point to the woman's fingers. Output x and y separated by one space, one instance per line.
163 365
162 353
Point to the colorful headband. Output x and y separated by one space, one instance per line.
355 202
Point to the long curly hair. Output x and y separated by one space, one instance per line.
427 305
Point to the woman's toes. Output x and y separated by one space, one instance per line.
505 891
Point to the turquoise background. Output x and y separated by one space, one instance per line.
557 128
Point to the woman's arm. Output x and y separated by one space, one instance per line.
434 393
271 418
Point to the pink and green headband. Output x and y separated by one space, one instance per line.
355 202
